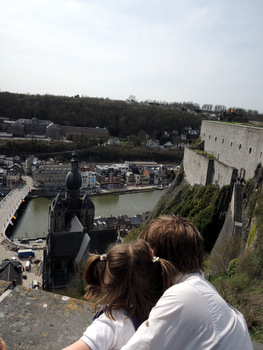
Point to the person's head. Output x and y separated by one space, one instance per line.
176 239
128 276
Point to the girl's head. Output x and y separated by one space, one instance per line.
176 239
128 276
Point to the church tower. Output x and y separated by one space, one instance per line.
73 184
70 222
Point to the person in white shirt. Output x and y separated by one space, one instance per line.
190 315
128 281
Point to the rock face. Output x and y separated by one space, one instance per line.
235 213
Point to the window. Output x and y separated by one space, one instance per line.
260 155
223 140
250 150
209 137
240 146
215 139
231 143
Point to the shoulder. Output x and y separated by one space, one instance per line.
190 290
105 333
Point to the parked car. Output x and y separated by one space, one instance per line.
40 240
28 265
35 285
24 241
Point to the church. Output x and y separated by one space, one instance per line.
71 234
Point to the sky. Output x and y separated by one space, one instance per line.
203 51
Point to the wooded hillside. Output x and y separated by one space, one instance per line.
119 117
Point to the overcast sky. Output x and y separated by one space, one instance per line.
204 51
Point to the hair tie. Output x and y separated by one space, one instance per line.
155 259
103 257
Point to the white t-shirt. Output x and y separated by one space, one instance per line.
106 334
191 315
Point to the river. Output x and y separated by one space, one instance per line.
32 222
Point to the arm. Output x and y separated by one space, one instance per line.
78 345
2 345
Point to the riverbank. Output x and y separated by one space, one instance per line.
39 192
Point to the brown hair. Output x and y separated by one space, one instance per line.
128 278
176 239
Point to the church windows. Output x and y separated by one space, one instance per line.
260 155
215 139
239 146
209 137
231 143
223 140
250 150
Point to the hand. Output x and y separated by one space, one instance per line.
2 345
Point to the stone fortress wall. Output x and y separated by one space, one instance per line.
204 171
237 150
235 145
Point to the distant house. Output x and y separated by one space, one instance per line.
135 221
88 179
2 177
111 221
113 141
124 222
13 175
152 176
108 175
53 131
130 178
153 143
168 144
11 271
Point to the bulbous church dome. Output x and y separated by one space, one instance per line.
73 179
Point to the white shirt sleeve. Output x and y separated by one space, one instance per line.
106 334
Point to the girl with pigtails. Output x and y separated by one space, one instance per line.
128 280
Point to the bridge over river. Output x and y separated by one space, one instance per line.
11 203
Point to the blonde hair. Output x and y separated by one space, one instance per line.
176 239
128 278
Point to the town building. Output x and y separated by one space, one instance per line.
46 128
108 175
88 179
11 270
13 175
50 175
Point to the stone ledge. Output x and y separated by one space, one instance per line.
35 319
38 320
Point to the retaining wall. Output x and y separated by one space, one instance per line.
202 170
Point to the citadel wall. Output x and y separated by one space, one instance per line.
234 145
195 167
201 170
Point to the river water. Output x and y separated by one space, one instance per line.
32 221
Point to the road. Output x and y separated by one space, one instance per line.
8 207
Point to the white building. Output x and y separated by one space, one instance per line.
88 179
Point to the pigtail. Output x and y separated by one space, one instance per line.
168 272
93 276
